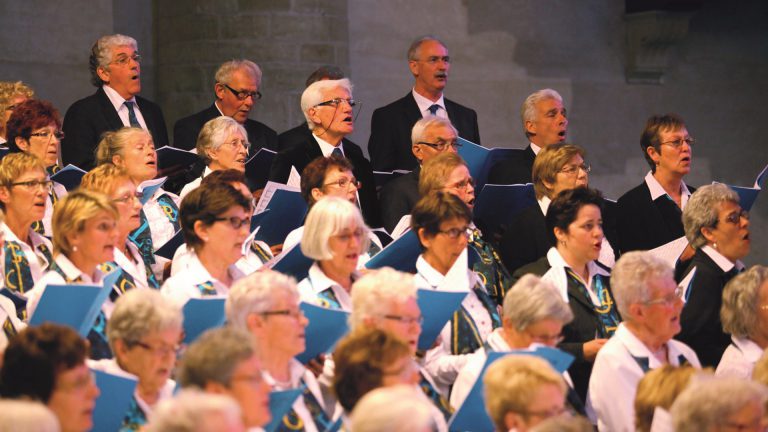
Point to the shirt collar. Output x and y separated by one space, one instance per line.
197 273
724 263
320 282
557 274
544 204
295 369
636 348
72 272
458 279
536 149
115 98
749 349
657 191
327 148
497 342
425 103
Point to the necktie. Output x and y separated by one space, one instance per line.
433 109
134 122
337 152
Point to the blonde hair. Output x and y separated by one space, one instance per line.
436 171
112 143
71 213
550 160
659 388
9 89
16 164
760 372
104 179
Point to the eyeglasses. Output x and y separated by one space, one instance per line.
573 169
547 339
46 185
243 94
679 142
160 351
235 221
669 300
46 135
127 198
405 319
123 59
735 217
254 379
344 182
79 383
335 102
237 143
435 59
464 184
296 314
347 236
441 145
454 233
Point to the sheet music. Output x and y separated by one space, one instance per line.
671 251
401 227
294 179
269 191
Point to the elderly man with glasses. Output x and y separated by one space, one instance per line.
650 304
329 109
115 66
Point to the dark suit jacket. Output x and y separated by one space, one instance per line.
88 118
517 169
186 130
398 197
525 239
642 224
300 149
582 329
702 329
390 143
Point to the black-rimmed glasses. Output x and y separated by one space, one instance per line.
243 95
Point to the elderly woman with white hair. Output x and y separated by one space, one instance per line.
718 229
195 411
650 304
266 304
328 108
386 299
334 236
720 404
533 315
222 144
395 408
746 320
144 333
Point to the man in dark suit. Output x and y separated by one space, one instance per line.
545 122
390 143
328 106
431 136
237 90
115 71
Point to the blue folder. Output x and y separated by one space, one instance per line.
471 415
201 314
380 178
73 305
497 205
748 195
401 254
480 160
149 187
69 177
292 262
326 326
436 308
280 402
113 402
286 213
257 168
168 157
168 249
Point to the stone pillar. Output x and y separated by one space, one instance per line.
288 39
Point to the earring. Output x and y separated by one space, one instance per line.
714 245
74 248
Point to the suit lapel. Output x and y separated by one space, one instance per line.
145 113
110 114
577 295
411 111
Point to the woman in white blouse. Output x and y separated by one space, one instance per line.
745 318
334 236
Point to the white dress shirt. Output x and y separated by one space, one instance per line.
183 286
317 282
111 366
134 265
424 104
189 187
54 278
247 264
37 261
657 190
122 111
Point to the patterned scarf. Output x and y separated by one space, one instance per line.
292 421
489 267
607 312
465 336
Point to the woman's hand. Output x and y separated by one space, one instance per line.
592 347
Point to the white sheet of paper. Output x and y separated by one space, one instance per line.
401 227
671 251
269 191
294 179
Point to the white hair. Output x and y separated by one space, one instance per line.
424 124
26 416
702 212
528 109
532 299
395 408
225 71
139 312
195 411
255 294
374 294
326 218
313 95
101 53
214 133
631 275
708 402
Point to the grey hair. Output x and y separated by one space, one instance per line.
532 299
413 50
426 123
741 302
225 71
395 408
630 277
139 312
326 218
528 109
214 133
564 423
709 401
191 411
313 95
701 211
27 416
256 293
101 53
375 292
215 356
